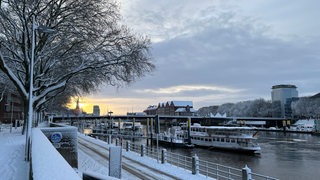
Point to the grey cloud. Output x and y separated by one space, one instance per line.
217 47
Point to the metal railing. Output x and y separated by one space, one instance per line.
153 153
196 166
179 160
219 171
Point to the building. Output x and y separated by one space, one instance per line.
172 108
283 95
151 110
96 110
11 108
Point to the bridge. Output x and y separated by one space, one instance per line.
204 120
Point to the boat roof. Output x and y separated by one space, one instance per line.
225 127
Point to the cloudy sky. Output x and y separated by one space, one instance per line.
212 52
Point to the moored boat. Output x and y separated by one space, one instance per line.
173 137
224 137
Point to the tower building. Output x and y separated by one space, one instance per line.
283 95
96 110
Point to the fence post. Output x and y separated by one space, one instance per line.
246 173
109 139
195 164
127 145
163 156
142 150
117 142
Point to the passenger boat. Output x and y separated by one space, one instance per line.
224 137
173 137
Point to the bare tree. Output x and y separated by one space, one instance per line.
89 47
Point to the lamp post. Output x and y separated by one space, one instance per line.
111 122
30 96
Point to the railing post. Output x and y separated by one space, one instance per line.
117 142
246 173
163 156
109 139
127 145
142 150
195 164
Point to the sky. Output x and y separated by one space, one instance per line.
217 51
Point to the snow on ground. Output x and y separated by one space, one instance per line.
92 165
13 166
176 171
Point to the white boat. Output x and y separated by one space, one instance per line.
224 137
132 129
174 137
303 125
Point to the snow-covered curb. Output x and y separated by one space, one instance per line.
47 162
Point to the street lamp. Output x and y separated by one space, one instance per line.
30 98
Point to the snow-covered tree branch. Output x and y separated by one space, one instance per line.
89 47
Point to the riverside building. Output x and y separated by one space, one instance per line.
283 95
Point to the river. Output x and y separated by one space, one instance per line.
285 156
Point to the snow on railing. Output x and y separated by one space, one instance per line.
47 162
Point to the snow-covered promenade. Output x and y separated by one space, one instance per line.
13 166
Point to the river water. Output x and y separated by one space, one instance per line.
291 156
287 156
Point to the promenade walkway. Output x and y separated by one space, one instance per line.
12 146
14 167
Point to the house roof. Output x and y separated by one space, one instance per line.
184 110
182 103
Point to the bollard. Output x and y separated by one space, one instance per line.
195 164
246 173
143 149
127 145
163 156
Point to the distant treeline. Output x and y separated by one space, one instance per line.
303 107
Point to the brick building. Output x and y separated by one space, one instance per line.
172 108
11 108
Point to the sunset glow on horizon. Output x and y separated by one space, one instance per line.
118 106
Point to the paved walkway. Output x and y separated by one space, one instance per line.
13 166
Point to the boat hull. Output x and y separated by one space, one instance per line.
228 146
